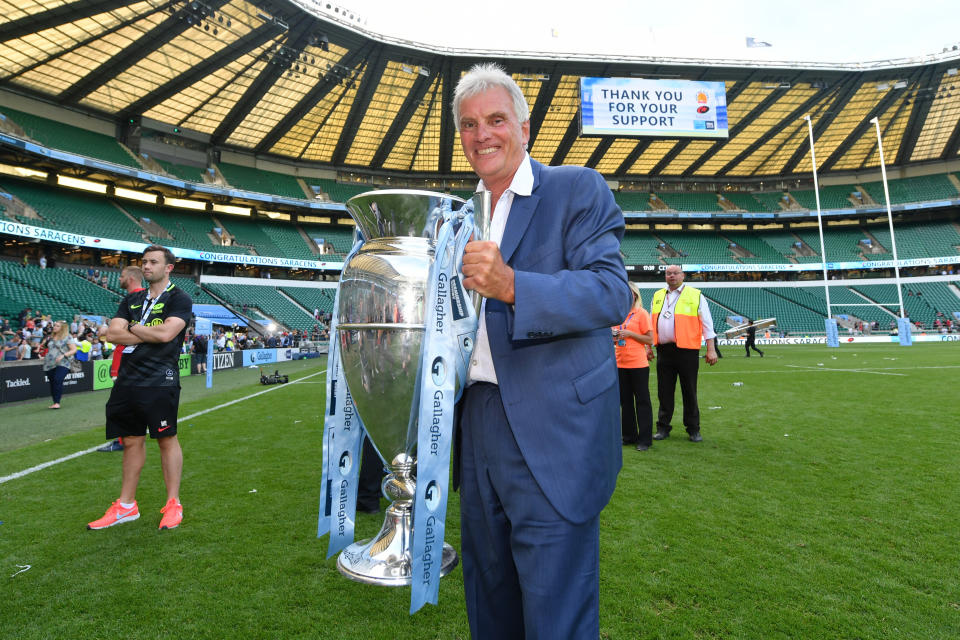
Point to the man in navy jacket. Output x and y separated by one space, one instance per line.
539 435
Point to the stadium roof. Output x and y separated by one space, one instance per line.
278 81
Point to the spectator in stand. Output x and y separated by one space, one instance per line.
43 262
36 336
4 324
11 342
22 317
96 348
85 347
23 350
75 325
60 349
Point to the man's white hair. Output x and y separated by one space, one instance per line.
483 77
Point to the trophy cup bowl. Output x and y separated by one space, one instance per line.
381 317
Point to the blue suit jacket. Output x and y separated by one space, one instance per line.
552 350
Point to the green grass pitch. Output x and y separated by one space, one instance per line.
822 504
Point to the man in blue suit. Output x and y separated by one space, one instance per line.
539 431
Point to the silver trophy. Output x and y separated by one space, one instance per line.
381 317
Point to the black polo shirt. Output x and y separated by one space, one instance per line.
153 364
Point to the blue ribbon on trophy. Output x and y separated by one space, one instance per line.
342 438
451 326
402 338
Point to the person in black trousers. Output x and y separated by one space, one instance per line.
371 477
681 322
632 339
752 339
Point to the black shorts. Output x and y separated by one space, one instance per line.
132 410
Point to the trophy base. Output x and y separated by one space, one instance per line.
385 560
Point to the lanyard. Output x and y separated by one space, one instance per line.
626 322
148 304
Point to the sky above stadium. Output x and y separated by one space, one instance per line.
841 31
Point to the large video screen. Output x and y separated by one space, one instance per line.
663 108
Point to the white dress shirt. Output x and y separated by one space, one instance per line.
481 363
665 332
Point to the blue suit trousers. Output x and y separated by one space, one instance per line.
528 572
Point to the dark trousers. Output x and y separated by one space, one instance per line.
56 377
636 412
370 478
527 571
751 343
673 363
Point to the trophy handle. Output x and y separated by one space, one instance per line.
482 217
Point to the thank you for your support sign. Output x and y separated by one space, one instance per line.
640 107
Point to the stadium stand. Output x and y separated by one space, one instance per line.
757 245
248 233
182 171
765 303
918 189
922 301
340 238
831 197
698 247
746 202
288 239
690 200
841 296
785 242
187 230
640 247
269 301
632 200
771 200
59 292
58 135
262 181
196 292
312 298
74 211
338 191
840 244
921 239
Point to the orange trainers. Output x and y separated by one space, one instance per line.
116 514
172 514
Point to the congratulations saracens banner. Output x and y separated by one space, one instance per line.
65 237
342 439
450 331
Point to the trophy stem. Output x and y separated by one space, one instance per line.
385 559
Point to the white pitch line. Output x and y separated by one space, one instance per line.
879 373
741 372
40 467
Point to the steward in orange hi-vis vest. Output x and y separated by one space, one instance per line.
686 317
